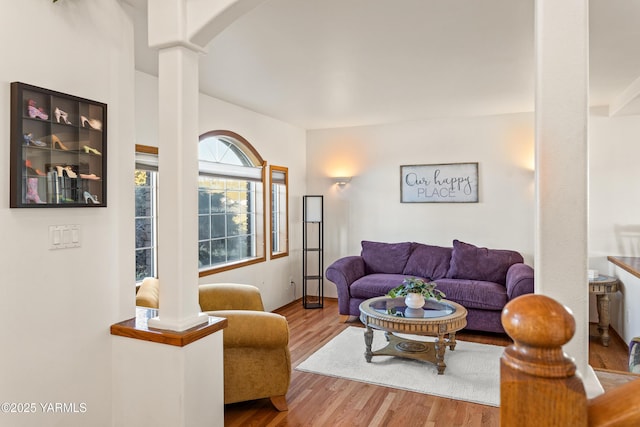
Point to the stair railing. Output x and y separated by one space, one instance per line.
538 382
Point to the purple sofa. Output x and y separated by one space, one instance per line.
480 279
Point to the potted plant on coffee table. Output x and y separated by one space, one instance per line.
416 291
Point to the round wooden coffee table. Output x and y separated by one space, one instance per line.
441 319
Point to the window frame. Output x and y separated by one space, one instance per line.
152 151
253 155
285 171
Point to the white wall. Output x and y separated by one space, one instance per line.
369 208
278 143
614 211
614 196
56 306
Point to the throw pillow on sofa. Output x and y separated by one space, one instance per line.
490 265
385 257
429 262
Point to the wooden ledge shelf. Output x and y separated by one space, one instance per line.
627 263
138 328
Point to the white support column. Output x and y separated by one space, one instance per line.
178 189
562 83
179 29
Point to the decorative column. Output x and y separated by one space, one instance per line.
562 83
191 392
178 189
179 29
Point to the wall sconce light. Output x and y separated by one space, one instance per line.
341 181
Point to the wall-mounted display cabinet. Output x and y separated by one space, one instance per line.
58 149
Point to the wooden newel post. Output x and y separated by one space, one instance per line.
538 386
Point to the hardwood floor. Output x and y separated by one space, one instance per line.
317 400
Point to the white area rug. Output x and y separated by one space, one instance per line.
472 374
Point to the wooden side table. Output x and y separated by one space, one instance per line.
602 286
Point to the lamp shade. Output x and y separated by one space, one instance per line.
312 208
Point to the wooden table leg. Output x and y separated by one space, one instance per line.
603 318
452 341
440 345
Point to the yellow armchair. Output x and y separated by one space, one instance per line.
257 362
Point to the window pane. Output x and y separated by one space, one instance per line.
143 201
218 201
204 229
236 185
237 201
218 252
252 204
144 232
221 150
247 247
204 254
237 224
144 263
203 201
238 248
217 226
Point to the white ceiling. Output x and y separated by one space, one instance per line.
335 63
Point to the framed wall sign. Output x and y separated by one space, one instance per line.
443 183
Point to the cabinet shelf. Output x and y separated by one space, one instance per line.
58 149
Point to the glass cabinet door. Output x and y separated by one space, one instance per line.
58 149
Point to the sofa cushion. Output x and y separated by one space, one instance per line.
430 262
474 293
375 285
474 263
385 257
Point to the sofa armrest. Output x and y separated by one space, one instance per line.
343 272
519 280
253 329
346 270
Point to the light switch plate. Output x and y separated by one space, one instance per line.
64 236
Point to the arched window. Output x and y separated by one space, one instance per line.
231 220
